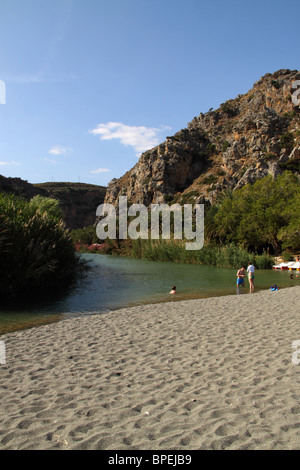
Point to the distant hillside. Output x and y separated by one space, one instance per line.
19 187
245 139
78 201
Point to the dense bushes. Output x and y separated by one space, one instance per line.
265 215
37 255
85 236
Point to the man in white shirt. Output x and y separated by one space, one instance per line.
250 271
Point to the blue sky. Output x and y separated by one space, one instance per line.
90 84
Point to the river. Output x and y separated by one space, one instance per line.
114 282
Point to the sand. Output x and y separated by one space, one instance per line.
200 374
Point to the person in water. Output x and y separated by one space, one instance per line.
173 291
250 271
241 277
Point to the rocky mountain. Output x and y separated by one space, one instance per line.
245 139
78 201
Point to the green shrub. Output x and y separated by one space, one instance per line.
264 261
225 146
85 236
276 84
286 141
286 256
210 179
37 256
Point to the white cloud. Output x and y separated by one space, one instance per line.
24 78
9 163
39 77
100 170
59 150
141 138
50 160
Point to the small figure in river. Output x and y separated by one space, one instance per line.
241 277
250 271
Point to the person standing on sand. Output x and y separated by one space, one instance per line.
241 277
250 271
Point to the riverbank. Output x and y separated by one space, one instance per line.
211 254
138 282
213 373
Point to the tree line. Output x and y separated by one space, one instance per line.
261 216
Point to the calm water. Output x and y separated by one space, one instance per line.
113 282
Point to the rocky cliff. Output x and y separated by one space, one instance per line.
78 201
245 139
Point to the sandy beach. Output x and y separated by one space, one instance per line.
211 373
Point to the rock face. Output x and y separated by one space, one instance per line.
78 201
247 138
